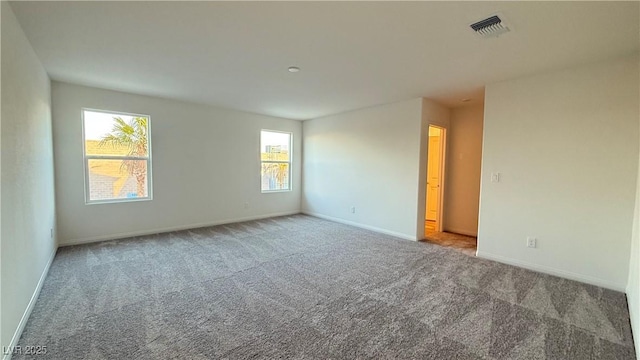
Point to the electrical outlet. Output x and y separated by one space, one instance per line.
532 242
353 209
246 205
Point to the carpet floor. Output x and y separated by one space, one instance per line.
305 288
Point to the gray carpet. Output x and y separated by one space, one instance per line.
304 288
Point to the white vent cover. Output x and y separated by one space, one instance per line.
492 26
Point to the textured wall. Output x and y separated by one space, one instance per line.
464 160
566 146
367 159
28 209
205 166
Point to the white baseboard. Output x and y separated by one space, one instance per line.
635 332
169 229
552 271
363 226
29 309
461 232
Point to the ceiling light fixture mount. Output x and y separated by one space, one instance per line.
293 69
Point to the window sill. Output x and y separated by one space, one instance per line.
117 201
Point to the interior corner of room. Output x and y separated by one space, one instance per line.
536 165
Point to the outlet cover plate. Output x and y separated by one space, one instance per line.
532 242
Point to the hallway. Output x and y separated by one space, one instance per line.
465 244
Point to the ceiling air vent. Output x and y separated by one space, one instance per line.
490 27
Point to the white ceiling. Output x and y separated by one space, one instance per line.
352 54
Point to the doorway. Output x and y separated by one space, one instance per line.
435 177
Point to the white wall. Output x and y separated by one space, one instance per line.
464 159
633 285
566 146
206 165
368 159
27 177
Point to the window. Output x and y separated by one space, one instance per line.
117 158
275 157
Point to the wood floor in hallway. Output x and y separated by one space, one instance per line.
463 243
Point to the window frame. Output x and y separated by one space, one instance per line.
86 158
290 162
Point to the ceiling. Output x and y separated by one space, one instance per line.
352 54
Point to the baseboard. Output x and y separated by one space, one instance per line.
29 309
362 226
461 232
552 271
169 229
635 333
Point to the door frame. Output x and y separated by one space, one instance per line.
442 121
443 160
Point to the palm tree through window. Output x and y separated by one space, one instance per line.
117 156
275 157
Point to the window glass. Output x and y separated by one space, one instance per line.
117 156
